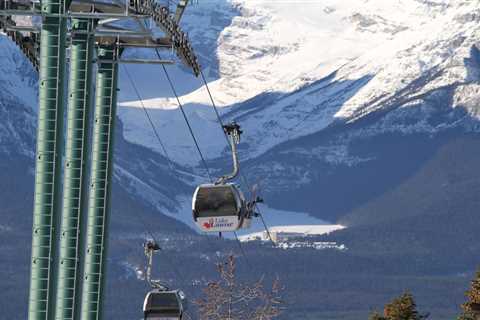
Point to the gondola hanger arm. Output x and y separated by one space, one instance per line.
150 248
232 130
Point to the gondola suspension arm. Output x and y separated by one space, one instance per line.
150 248
233 132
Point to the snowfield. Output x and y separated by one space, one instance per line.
18 83
300 230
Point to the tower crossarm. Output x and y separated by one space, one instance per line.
132 41
168 24
137 9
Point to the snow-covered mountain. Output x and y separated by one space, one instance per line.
345 70
18 96
352 112
285 70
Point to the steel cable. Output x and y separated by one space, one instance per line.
145 225
170 163
196 141
245 181
180 105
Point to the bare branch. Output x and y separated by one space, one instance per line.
227 299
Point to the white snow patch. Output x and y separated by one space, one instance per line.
271 216
314 245
16 74
293 230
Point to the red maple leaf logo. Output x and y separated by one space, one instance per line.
208 224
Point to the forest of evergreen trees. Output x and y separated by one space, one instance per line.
405 308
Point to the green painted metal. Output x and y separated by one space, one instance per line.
100 184
75 177
48 160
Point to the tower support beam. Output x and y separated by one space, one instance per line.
48 160
75 174
100 183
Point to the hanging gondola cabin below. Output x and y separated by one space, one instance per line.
163 305
220 208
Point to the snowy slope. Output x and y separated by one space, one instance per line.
287 70
18 98
300 230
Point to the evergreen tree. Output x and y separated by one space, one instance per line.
401 308
471 308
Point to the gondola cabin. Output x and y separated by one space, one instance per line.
164 305
219 208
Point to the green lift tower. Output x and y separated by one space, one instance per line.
100 183
46 210
75 169
70 229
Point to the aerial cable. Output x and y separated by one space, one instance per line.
177 274
242 250
140 218
257 209
174 91
259 213
158 302
180 105
220 121
145 226
194 138
266 229
244 179
170 163
191 129
214 105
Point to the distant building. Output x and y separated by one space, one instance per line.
281 236
286 233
